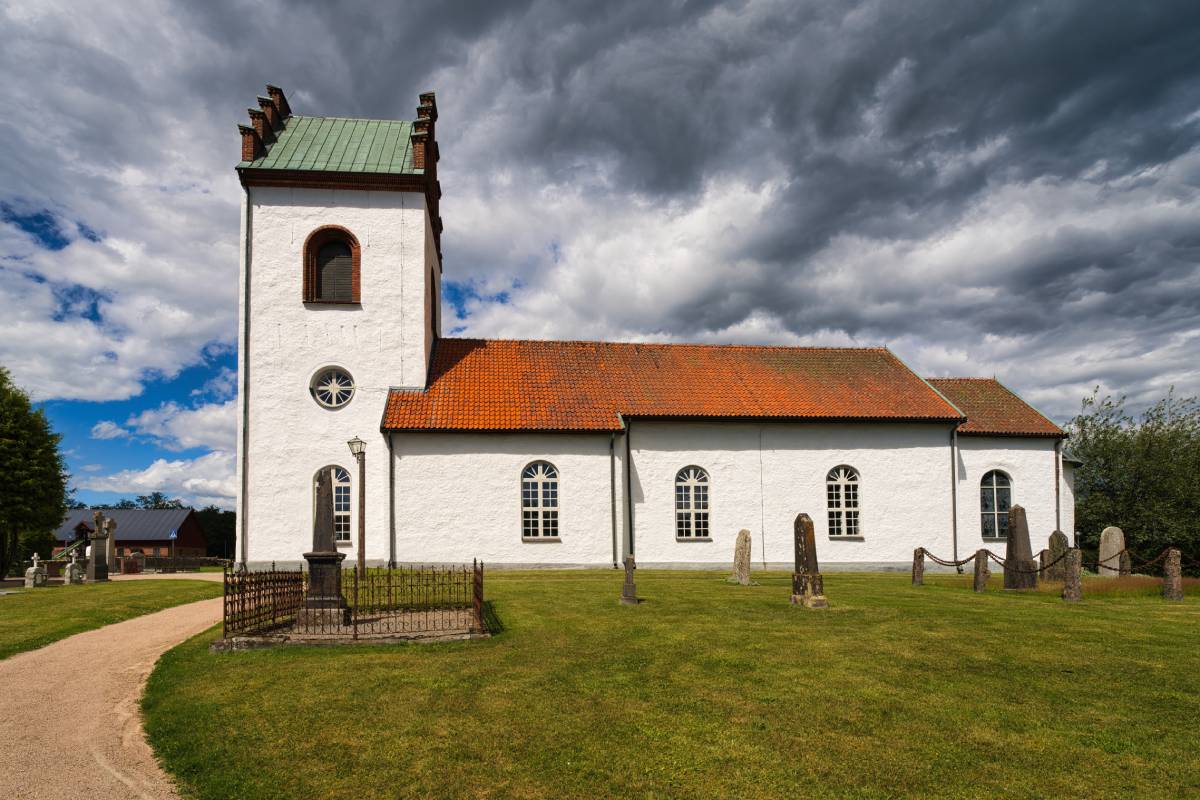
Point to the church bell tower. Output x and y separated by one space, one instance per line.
340 290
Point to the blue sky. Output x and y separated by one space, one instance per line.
997 188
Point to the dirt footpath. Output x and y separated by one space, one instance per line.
70 710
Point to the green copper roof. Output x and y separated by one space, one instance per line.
334 144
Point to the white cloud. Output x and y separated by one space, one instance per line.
201 481
212 426
107 429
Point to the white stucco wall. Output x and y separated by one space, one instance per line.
762 476
1030 465
458 497
382 342
1068 502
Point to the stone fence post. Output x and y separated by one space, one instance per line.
1125 568
1173 575
1073 578
981 571
918 569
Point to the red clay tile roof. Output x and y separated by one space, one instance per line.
992 409
478 384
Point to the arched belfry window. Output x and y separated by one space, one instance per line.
995 498
841 498
539 501
332 262
341 502
691 503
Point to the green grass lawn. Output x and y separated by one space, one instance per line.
709 689
36 617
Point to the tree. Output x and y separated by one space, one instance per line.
1138 474
34 501
220 530
155 500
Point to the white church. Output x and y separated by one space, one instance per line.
570 453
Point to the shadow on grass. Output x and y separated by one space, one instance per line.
491 620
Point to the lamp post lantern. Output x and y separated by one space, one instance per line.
358 448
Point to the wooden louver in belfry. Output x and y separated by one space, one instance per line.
335 273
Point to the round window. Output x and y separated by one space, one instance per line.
332 387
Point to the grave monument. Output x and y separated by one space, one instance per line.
741 558
1056 557
1020 570
324 606
97 567
628 590
1112 544
808 587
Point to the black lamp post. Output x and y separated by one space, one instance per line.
358 448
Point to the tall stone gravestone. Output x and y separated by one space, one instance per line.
741 558
808 587
1056 561
110 543
97 568
1112 544
1020 570
629 590
324 606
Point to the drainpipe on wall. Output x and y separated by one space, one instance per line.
612 491
243 511
391 503
954 493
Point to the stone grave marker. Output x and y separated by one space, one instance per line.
1056 552
35 576
741 558
1019 565
1112 543
628 590
324 607
808 587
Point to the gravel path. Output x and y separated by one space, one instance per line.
71 722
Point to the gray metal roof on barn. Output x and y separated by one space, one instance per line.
133 524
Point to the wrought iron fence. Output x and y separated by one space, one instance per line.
178 563
397 602
261 602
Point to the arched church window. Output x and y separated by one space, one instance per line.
691 503
841 498
341 502
995 498
539 501
332 261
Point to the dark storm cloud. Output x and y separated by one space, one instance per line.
992 187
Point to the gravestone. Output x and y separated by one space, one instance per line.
1073 576
110 543
35 576
1112 543
97 567
808 587
1173 575
979 583
73 573
918 570
1020 570
629 591
1056 557
324 606
741 558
